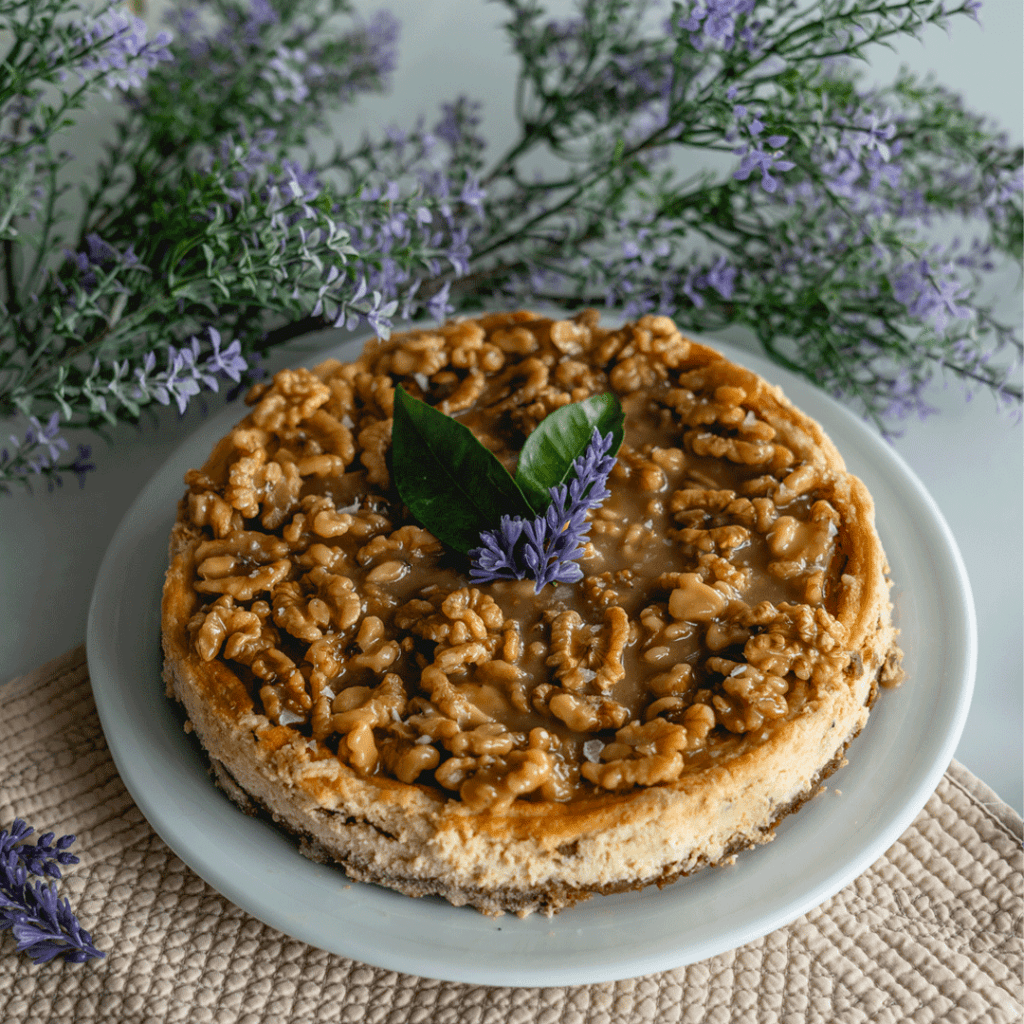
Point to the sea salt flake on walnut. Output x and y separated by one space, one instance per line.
250 545
339 594
375 651
457 659
242 489
407 761
488 738
356 724
253 481
751 697
633 373
293 397
570 642
643 755
210 509
468 391
452 703
714 539
626 773
569 337
587 712
807 543
420 353
453 772
304 617
516 341
521 772
803 479
333 559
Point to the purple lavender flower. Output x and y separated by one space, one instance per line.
43 857
757 158
458 124
931 293
99 256
714 21
81 467
904 396
553 541
188 371
116 48
39 450
43 924
381 34
439 306
261 14
230 362
38 453
288 74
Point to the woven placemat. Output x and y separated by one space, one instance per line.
932 932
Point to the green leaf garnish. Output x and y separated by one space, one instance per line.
453 485
559 439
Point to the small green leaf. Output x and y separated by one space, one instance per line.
560 438
453 485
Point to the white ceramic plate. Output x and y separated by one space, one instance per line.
896 763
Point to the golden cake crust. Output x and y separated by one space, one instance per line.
647 814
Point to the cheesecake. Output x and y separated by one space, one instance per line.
500 746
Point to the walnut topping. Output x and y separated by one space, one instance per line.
708 608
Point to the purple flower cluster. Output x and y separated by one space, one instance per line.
714 21
552 543
242 160
903 395
649 281
294 71
416 202
753 155
114 47
931 292
862 162
99 256
39 452
721 276
458 125
240 30
43 924
189 370
223 37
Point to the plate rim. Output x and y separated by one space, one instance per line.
630 963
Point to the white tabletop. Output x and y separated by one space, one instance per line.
969 457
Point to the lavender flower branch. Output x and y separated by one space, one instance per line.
209 213
43 924
553 542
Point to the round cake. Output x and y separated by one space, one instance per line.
501 746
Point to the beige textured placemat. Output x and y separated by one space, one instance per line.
932 932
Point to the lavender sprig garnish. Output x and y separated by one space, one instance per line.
553 542
43 924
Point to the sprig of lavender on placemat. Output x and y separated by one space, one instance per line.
42 923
